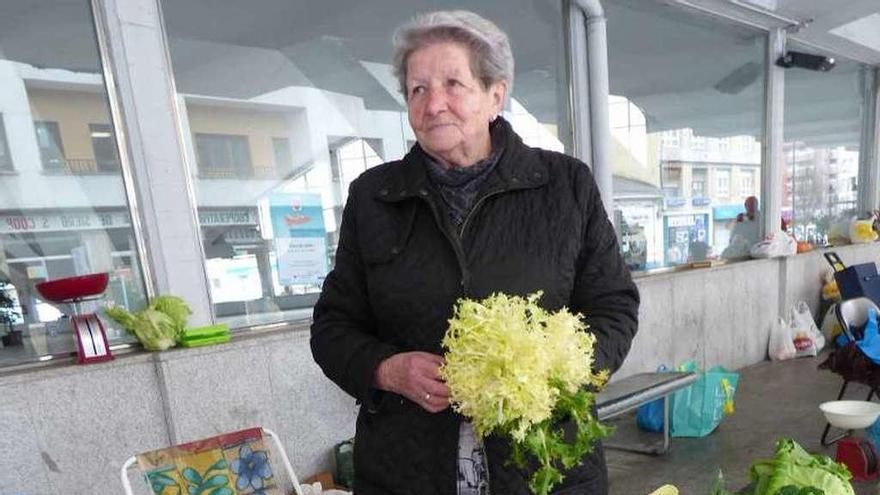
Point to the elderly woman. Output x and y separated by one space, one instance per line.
468 212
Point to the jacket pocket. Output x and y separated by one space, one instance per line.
384 236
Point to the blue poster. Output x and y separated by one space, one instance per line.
300 238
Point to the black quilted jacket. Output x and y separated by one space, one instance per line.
538 224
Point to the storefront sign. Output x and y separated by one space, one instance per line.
726 212
14 224
236 216
300 238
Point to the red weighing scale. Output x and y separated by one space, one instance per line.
91 340
857 454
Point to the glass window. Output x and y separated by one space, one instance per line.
747 184
51 149
283 155
58 218
722 189
222 155
679 128
312 104
104 148
5 157
698 182
823 123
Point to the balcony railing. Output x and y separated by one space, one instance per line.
256 172
81 166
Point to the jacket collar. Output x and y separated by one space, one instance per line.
518 168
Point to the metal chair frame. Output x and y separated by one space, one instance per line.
850 313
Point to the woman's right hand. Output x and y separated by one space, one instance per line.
414 375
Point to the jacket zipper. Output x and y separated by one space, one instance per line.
465 280
456 245
464 226
455 240
470 214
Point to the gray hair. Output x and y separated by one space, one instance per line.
489 48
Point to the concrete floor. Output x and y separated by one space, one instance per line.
773 400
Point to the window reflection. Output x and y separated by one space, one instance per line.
63 208
311 105
823 121
686 150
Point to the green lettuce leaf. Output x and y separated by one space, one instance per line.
795 471
158 326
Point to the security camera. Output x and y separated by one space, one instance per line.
806 61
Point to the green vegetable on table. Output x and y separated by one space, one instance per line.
158 326
794 471
516 370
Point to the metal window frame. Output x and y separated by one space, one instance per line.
160 175
771 147
124 147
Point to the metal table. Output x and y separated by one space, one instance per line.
631 392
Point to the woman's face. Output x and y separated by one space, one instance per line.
449 109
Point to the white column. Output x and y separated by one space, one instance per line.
576 47
869 153
772 159
141 80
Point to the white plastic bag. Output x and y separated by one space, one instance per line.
862 231
830 326
781 344
806 337
774 245
738 248
838 233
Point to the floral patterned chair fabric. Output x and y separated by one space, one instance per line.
229 464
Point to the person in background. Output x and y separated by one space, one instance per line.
746 231
469 211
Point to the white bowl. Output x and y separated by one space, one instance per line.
850 414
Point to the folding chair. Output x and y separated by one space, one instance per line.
851 313
228 464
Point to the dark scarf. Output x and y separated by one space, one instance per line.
459 186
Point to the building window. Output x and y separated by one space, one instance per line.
722 183
5 157
698 182
104 147
671 139
223 156
283 158
51 148
747 184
